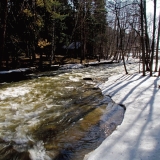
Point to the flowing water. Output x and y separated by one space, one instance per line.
56 115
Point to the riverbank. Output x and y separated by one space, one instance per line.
26 104
23 73
138 135
40 106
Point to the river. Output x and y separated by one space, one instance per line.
57 114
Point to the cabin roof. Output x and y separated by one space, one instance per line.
73 45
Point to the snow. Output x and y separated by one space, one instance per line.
138 137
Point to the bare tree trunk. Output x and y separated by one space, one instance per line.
82 21
146 39
85 40
157 47
3 30
53 43
142 38
121 42
153 38
34 23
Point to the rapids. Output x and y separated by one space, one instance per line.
57 115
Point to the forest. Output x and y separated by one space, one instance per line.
37 32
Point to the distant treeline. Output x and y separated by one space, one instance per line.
107 29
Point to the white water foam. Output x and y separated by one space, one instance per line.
74 79
13 92
38 152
